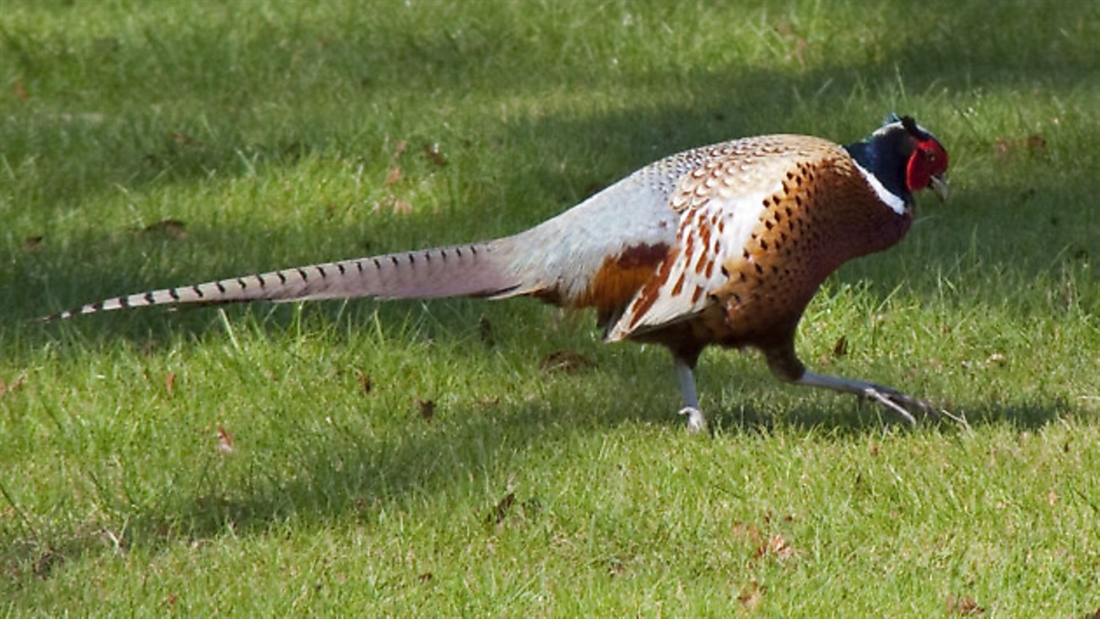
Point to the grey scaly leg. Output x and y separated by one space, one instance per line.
685 376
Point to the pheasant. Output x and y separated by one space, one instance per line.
720 245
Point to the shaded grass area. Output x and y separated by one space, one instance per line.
279 460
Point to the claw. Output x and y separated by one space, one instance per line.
897 402
886 399
894 400
696 422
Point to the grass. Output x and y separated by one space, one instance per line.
419 458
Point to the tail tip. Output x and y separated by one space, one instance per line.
53 317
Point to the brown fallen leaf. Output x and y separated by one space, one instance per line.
616 567
785 30
400 149
426 408
12 387
963 605
364 380
393 176
171 600
21 91
777 547
500 512
32 243
225 440
840 348
435 154
565 361
800 45
173 228
170 382
780 548
751 596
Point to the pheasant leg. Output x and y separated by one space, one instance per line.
892 399
685 376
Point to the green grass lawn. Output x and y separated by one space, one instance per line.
424 459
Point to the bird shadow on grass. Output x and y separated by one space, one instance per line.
858 418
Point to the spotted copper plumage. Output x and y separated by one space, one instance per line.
721 245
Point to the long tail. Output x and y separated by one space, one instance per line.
479 269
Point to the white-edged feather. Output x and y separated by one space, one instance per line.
677 298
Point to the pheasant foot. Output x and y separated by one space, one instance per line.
685 376
696 421
892 399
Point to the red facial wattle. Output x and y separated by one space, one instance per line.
929 159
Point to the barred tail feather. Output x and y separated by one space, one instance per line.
459 270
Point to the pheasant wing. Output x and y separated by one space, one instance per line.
721 202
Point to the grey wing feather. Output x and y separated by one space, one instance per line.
564 253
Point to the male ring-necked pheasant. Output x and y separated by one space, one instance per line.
720 245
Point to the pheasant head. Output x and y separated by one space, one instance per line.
904 158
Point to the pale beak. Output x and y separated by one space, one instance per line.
939 187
